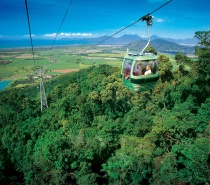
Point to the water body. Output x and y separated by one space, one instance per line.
24 43
4 84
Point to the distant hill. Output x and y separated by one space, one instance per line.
125 39
131 41
187 41
136 43
161 46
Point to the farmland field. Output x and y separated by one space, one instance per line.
20 64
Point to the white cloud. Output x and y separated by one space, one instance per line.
49 35
67 35
159 20
32 35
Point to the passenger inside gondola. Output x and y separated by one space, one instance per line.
138 70
127 71
148 70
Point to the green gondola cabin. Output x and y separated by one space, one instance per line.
140 72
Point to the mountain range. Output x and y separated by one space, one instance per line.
161 46
126 39
134 42
187 41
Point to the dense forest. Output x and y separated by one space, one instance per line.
96 131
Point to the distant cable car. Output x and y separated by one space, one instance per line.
140 71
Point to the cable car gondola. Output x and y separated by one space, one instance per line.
140 71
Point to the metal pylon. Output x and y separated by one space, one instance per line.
42 93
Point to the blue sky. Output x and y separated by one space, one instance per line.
93 18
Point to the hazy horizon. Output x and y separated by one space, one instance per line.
7 43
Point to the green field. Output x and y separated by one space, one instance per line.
19 65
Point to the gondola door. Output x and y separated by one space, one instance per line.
127 70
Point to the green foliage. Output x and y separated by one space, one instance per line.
165 67
165 170
131 164
203 117
96 131
192 157
203 37
150 49
137 123
183 62
204 64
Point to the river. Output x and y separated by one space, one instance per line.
4 84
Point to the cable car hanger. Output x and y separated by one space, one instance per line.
140 71
149 23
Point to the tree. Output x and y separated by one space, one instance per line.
203 64
192 159
165 170
182 60
131 164
165 68
203 37
137 123
152 50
